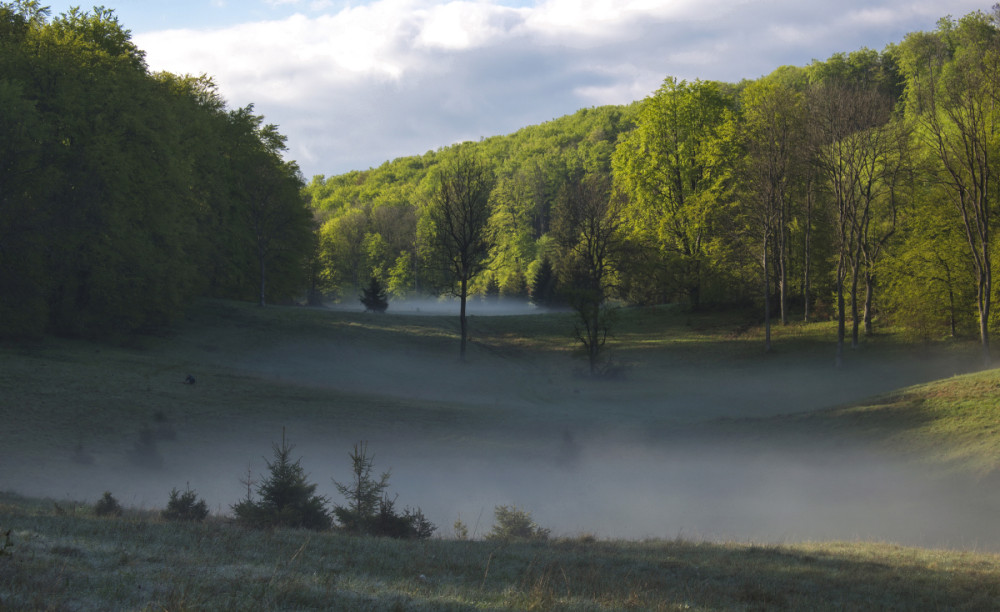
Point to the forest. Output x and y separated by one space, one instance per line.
124 195
859 188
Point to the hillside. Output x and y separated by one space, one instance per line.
701 440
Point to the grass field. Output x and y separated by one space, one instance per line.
728 459
76 561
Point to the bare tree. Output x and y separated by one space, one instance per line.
588 225
460 211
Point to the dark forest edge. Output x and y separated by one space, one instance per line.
839 190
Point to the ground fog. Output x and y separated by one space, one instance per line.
637 456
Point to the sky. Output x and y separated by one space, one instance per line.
355 83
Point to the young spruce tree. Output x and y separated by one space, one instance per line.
286 498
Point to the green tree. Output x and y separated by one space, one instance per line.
273 217
953 86
771 134
669 169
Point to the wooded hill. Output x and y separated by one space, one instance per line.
860 187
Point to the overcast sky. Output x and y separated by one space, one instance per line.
355 83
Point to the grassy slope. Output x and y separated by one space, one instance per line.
951 424
67 561
64 392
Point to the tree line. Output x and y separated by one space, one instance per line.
124 194
858 188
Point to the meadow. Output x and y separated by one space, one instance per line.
703 474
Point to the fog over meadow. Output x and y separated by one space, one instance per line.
629 458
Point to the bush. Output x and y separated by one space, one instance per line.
185 507
108 506
286 498
369 510
512 523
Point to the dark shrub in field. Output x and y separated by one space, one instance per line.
185 507
107 506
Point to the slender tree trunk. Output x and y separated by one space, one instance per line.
767 298
985 291
855 311
263 277
783 266
805 263
841 273
869 301
463 324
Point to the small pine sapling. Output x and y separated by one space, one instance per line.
369 509
364 493
185 507
287 499
513 523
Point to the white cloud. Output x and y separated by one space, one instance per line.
373 81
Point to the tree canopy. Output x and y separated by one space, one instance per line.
125 194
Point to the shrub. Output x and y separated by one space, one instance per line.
512 523
107 506
286 498
369 510
185 507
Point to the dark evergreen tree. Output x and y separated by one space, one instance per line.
286 498
543 285
373 296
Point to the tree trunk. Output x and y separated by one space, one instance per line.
855 312
464 294
805 263
263 278
767 299
869 300
841 273
783 266
985 290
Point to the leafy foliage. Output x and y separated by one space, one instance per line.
127 194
